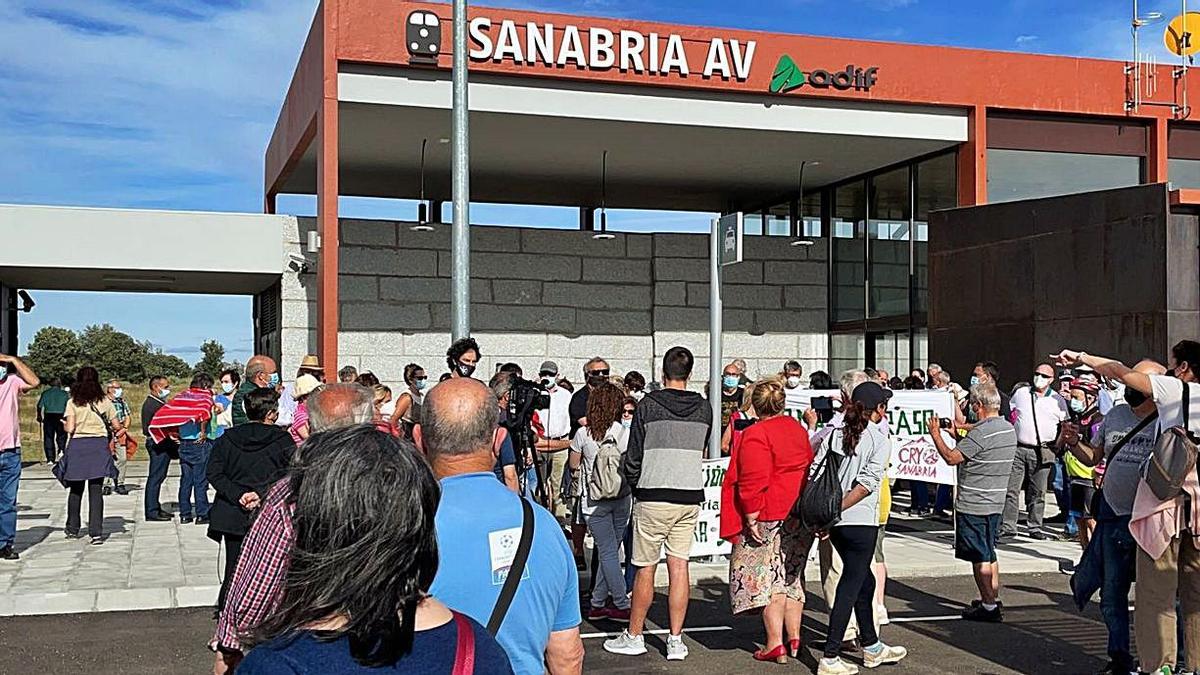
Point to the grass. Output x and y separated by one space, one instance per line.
31 430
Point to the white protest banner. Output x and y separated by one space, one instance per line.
706 540
914 456
799 400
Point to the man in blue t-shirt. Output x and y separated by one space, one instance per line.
478 529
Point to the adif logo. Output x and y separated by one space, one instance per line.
423 34
789 76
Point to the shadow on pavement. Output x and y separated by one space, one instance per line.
27 539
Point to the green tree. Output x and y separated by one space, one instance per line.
213 360
113 353
54 352
157 363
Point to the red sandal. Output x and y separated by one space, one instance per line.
794 648
778 655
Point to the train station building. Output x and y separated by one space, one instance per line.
901 201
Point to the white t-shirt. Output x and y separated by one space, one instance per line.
588 448
557 419
1168 396
1051 409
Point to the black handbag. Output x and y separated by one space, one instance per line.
819 505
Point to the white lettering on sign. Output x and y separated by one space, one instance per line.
627 50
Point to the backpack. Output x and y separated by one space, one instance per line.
819 505
606 478
1173 457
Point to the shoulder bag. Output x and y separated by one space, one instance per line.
515 571
1108 458
1173 457
464 653
819 506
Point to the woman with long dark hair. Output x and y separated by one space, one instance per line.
90 420
356 593
606 518
864 450
408 407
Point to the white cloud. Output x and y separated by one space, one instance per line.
1026 40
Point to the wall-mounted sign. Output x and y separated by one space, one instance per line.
789 76
423 36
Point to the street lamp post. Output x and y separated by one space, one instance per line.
460 247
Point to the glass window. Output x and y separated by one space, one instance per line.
887 234
849 252
1028 174
892 353
846 352
937 188
1184 173
810 210
777 221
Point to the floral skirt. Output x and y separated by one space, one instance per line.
757 572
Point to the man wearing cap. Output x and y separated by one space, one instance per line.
556 420
309 365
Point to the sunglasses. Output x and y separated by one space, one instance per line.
603 372
628 411
545 374
421 379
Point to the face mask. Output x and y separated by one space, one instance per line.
422 383
548 383
730 381
637 395
793 382
626 423
974 380
1076 405
227 387
274 381
1134 397
1041 381
118 393
166 391
465 369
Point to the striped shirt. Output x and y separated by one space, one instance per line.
983 478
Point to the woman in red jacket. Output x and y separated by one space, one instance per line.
767 471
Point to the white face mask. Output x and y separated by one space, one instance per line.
793 381
118 392
638 395
227 387
1041 381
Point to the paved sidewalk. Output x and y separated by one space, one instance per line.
167 565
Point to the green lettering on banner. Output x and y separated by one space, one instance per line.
714 475
700 535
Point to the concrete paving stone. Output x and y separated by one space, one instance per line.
69 602
126 599
195 596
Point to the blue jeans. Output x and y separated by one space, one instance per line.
193 465
920 495
160 461
630 568
10 478
608 523
1119 552
945 499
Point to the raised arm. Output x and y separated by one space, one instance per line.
23 371
1110 368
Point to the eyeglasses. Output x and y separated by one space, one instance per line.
628 411
601 372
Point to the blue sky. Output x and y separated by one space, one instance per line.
170 103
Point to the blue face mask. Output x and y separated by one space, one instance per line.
1076 405
974 380
274 379
626 423
730 381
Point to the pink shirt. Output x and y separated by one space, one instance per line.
11 389
299 421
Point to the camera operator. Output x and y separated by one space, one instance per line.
1039 410
506 459
983 459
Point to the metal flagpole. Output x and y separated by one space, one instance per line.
460 247
714 339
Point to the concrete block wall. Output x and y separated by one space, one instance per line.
542 294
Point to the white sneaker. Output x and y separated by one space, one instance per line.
629 645
883 656
836 666
676 650
881 615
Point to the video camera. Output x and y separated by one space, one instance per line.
524 398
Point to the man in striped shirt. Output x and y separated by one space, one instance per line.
984 459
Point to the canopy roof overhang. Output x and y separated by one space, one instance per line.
542 143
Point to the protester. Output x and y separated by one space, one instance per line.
607 517
16 378
540 630
793 374
984 459
919 375
743 370
987 372
51 407
348 375
731 394
766 476
463 357
884 377
663 466
1039 410
556 425
90 420
260 372
407 413
230 380
914 383
635 385
380 397
343 612
160 452
367 379
864 450
244 463
258 581
595 373
1128 430
186 417
933 371
309 365
820 381
739 421
299 429
1078 477
1168 557
117 442
506 458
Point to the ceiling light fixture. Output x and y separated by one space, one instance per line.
422 224
603 233
800 240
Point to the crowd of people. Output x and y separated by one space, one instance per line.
430 532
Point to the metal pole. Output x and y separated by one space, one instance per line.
715 366
460 247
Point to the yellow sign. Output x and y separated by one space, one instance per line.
1182 36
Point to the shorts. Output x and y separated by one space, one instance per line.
658 524
975 537
879 544
1082 491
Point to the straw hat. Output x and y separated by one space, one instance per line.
305 385
311 362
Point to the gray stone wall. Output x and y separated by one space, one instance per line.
561 295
